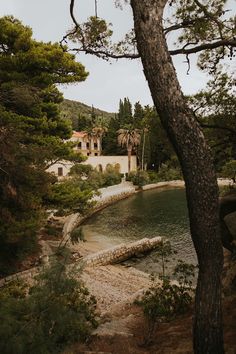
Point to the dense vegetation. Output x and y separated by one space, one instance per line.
48 316
82 116
32 132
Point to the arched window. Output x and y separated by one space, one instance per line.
117 167
99 167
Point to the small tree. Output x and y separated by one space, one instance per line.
165 299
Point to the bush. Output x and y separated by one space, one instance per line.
111 176
167 173
229 170
164 300
139 178
57 312
91 178
77 235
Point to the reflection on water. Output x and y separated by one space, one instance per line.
146 214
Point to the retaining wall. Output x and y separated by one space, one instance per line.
122 252
112 255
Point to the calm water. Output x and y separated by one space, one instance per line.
146 214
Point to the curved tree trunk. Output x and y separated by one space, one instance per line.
198 170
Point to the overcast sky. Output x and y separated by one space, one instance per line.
107 83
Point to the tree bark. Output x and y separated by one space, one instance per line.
129 150
201 185
143 149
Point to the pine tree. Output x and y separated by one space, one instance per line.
32 130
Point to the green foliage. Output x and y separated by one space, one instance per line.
139 178
111 176
32 130
229 170
165 299
53 229
125 115
164 251
215 109
204 22
165 173
75 194
94 179
70 196
80 170
14 289
164 302
57 312
184 273
95 32
81 115
77 235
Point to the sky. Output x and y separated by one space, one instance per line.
108 82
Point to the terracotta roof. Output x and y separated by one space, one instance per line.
78 134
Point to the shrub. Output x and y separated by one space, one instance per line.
164 300
139 178
229 170
166 173
77 235
57 312
111 176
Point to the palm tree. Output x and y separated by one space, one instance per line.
100 127
129 138
145 130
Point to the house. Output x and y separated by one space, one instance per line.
87 144
90 145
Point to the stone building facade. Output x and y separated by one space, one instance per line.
86 144
90 146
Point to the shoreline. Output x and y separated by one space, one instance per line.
77 220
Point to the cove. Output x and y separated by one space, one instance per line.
156 212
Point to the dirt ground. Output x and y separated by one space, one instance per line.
123 328
173 337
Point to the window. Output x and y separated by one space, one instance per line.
88 145
95 146
88 153
79 145
96 154
60 171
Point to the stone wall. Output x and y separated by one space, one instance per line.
121 162
98 162
25 275
177 183
112 255
122 252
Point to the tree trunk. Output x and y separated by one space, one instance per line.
129 150
198 171
143 149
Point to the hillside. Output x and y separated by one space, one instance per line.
75 110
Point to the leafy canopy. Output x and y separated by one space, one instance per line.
32 130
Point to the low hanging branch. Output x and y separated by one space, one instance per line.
102 47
